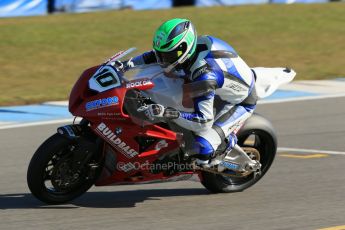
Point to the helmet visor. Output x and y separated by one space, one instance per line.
170 57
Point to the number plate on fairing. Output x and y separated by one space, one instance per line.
104 79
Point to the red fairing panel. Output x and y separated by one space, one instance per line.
125 162
131 163
81 90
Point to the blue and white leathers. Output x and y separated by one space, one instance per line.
221 86
227 80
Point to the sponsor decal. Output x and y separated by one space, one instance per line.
101 103
161 144
138 83
238 125
116 141
199 71
112 115
115 56
230 165
235 86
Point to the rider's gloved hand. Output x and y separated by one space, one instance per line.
124 66
154 111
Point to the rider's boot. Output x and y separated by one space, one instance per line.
203 159
202 163
205 145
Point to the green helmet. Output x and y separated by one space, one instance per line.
174 42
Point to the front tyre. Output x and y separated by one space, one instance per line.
257 133
51 175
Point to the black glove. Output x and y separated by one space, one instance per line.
171 113
124 66
155 111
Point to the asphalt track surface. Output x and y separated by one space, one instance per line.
297 193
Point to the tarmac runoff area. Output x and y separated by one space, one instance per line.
303 190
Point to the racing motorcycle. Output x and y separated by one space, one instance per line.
115 144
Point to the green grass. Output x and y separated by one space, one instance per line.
41 57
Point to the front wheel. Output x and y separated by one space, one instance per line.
53 176
259 134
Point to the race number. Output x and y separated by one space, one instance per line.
104 79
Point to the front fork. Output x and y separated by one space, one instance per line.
82 149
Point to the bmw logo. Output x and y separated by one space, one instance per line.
118 130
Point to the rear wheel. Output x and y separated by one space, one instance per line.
262 139
52 175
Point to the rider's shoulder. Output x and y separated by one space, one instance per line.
202 71
198 68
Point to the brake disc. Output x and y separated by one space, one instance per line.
63 177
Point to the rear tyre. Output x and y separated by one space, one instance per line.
50 175
258 133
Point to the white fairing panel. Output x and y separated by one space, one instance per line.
269 79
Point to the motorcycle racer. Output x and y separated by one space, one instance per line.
219 82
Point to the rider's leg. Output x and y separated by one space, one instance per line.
230 122
231 117
226 126
206 143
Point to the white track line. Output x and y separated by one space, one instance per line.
282 149
21 125
307 98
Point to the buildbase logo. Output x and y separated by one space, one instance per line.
115 141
